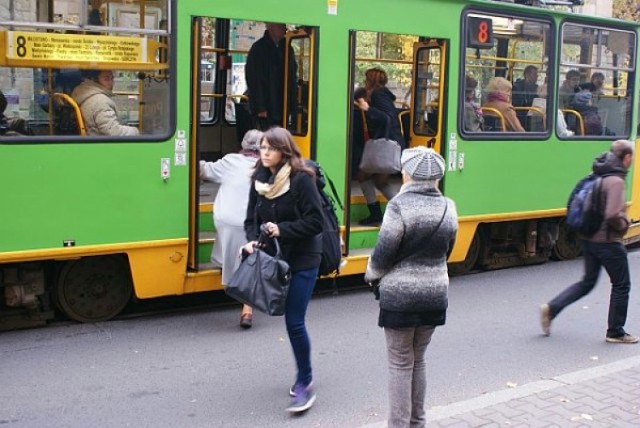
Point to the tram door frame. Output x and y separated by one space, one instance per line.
302 112
194 191
435 140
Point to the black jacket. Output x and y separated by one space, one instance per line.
382 113
264 72
522 96
298 214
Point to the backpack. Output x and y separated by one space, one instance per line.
585 212
331 248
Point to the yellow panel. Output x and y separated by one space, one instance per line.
466 230
101 52
158 271
203 281
634 209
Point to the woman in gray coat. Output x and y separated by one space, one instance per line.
409 265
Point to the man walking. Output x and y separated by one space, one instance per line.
604 248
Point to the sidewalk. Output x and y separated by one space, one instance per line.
604 396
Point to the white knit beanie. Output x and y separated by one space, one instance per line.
422 163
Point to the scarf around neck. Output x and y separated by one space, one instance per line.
498 96
280 186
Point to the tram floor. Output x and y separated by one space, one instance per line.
208 190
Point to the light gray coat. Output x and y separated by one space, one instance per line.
99 110
411 267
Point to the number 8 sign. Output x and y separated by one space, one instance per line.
479 32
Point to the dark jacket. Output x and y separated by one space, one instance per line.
410 257
298 214
382 114
522 96
612 195
264 72
590 118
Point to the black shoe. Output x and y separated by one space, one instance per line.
375 216
245 321
370 221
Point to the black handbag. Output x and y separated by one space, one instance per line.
262 281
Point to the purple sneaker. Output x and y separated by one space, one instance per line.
304 397
292 392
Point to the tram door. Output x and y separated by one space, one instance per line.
428 98
220 107
299 94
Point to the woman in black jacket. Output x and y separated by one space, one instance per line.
284 199
382 122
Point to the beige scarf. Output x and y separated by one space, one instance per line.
280 185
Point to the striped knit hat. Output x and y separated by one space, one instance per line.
422 164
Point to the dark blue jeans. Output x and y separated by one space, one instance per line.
300 291
613 257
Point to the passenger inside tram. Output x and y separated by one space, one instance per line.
499 98
11 126
94 97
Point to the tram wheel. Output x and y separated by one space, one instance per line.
567 246
94 289
470 261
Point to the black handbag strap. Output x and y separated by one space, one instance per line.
446 205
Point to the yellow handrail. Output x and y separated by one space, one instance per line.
64 98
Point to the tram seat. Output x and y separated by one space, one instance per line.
493 119
62 98
574 121
535 117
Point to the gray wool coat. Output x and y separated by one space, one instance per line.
411 267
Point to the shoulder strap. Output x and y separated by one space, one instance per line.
333 191
446 205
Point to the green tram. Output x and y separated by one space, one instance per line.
88 222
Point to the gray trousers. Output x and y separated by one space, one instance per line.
407 375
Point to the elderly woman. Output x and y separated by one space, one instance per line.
409 263
499 97
233 173
94 97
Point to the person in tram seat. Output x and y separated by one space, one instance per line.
94 97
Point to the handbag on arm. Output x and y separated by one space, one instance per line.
262 280
380 155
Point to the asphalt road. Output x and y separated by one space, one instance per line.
197 368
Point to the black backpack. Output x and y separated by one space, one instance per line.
585 212
331 249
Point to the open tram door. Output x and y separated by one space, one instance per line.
299 87
428 98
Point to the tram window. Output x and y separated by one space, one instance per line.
298 101
208 70
516 49
45 62
597 68
427 101
242 34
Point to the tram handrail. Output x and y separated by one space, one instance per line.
494 112
578 116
